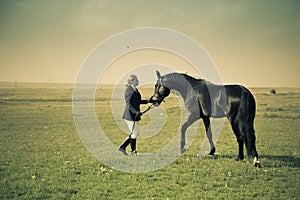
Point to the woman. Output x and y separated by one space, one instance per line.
132 113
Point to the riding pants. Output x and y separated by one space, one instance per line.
133 128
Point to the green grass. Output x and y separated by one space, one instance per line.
42 157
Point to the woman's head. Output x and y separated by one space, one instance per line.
133 80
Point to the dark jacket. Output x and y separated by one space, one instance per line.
133 101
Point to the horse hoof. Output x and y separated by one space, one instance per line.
212 151
257 164
238 158
182 150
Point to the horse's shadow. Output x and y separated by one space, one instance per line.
273 161
277 161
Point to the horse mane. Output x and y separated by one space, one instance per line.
181 83
181 79
191 79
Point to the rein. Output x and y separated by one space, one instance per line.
149 108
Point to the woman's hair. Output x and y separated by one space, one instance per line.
131 79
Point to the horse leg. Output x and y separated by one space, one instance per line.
249 135
246 113
191 119
239 137
241 142
206 122
250 145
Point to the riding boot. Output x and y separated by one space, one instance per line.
123 146
133 145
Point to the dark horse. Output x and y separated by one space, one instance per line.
204 100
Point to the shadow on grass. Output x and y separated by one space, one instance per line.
266 160
281 161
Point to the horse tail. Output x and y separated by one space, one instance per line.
246 115
247 107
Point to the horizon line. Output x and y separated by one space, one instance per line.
36 83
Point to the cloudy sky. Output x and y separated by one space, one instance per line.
254 43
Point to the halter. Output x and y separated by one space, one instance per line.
160 96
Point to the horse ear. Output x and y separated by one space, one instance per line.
158 74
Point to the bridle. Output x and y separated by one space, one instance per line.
160 96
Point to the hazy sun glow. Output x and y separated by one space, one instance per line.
254 43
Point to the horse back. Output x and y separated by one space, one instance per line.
221 100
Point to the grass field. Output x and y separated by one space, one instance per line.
42 157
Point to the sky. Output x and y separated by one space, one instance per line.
254 43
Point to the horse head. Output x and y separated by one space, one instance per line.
160 90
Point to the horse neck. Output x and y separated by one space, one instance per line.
179 83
